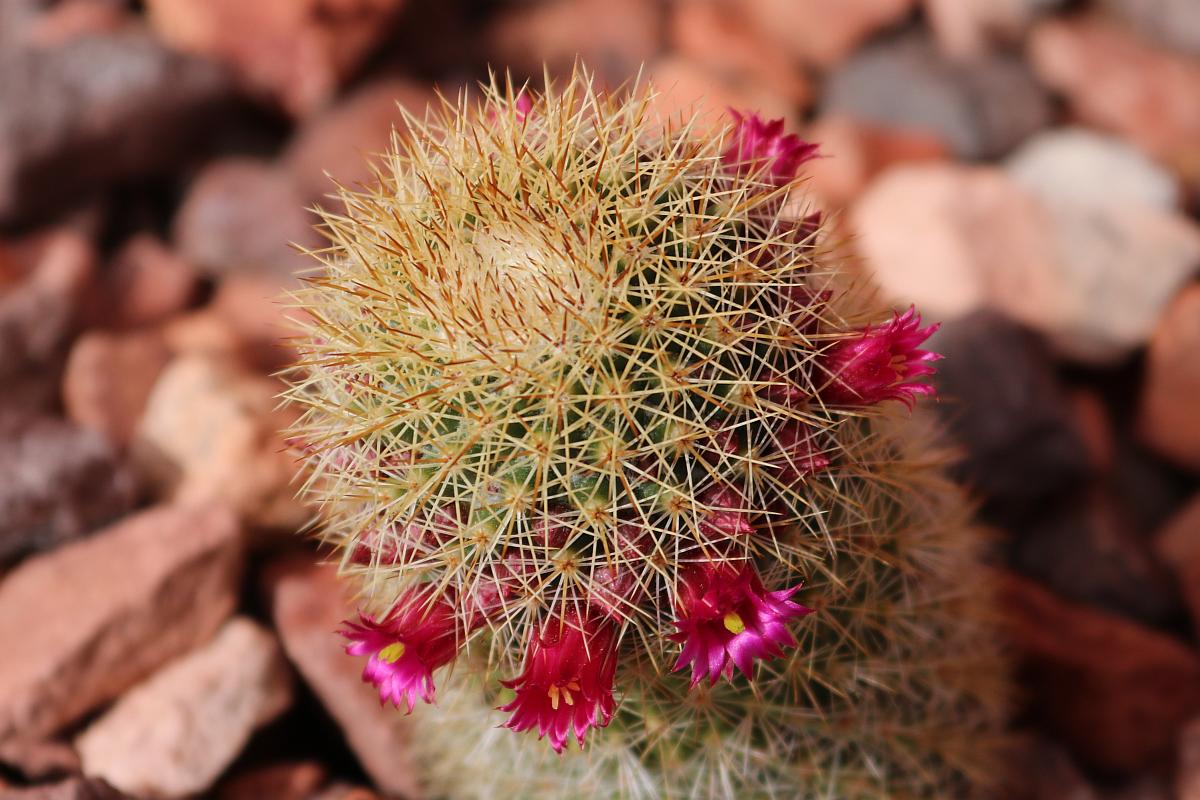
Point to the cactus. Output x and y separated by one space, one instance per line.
608 438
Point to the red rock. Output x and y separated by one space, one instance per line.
1167 418
175 733
1045 772
308 605
141 592
108 379
344 791
1116 692
1178 546
612 37
1187 779
1094 423
145 283
73 19
294 51
1116 81
210 433
71 789
337 144
258 315
822 32
299 780
244 214
684 87
712 33
40 759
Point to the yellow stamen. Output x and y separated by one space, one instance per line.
733 623
392 653
553 692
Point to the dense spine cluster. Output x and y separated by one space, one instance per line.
591 410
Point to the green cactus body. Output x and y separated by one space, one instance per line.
563 370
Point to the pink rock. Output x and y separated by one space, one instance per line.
108 379
141 592
612 37
966 29
73 19
145 283
1167 419
1116 81
821 32
1178 546
686 87
308 605
712 33
1117 692
40 759
175 733
294 51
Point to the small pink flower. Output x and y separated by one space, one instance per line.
880 363
798 453
615 588
405 647
566 684
726 512
726 617
522 105
762 148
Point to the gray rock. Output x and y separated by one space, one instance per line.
982 108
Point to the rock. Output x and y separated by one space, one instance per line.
39 314
1178 545
1045 772
71 789
1116 692
175 733
298 780
244 214
345 791
210 434
336 145
1085 550
60 482
69 20
1147 787
308 605
685 87
714 34
1115 81
40 760
966 29
1167 419
1174 23
612 37
1094 423
146 283
142 591
1187 779
77 118
296 52
108 379
821 32
981 109
1003 403
1093 278
1079 167
854 152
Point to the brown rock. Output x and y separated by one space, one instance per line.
1045 772
72 789
713 33
40 759
176 732
1178 546
296 52
1117 692
338 144
685 87
308 605
256 308
1167 418
822 32
1116 81
141 592
612 37
210 434
108 379
298 780
145 283
243 214
60 482
1187 779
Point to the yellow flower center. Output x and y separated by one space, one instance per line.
733 623
392 653
564 692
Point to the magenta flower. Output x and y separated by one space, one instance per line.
523 105
566 684
405 647
881 363
726 617
762 148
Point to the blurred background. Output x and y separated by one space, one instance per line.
1027 171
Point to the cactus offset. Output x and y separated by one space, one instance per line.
587 403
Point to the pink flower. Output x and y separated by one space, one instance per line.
798 453
762 148
523 105
567 681
405 647
726 617
880 363
727 512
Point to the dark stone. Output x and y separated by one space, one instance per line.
73 789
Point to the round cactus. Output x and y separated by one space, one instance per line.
595 413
